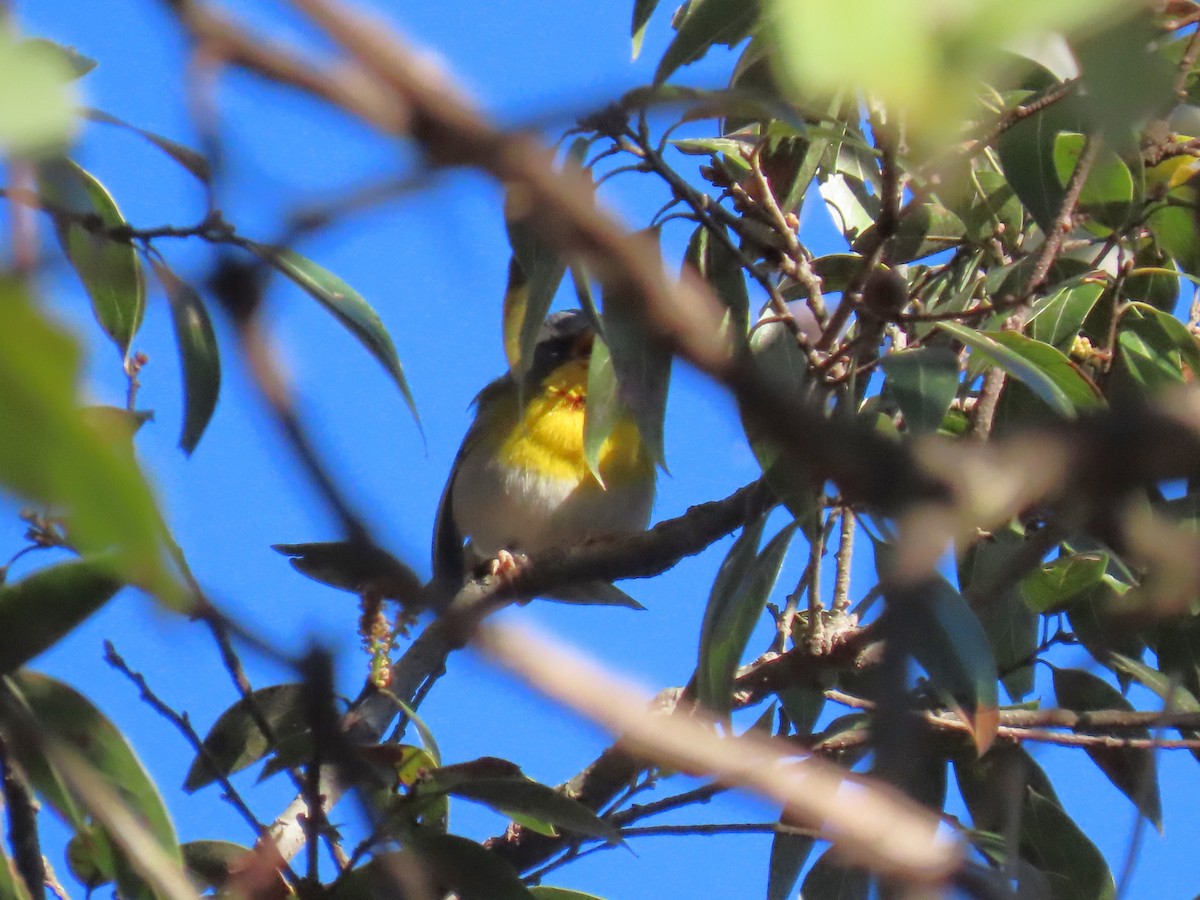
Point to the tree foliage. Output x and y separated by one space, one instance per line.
994 369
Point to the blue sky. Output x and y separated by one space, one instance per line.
433 264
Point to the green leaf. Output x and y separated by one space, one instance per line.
643 368
992 783
721 268
642 11
346 305
198 356
1057 847
789 853
78 64
193 161
706 22
1153 346
210 862
604 408
1027 154
1107 194
738 597
64 715
235 741
541 892
949 643
107 266
1056 319
930 228
52 454
1055 585
40 609
11 884
467 869
37 96
525 797
1131 769
1175 697
924 382
992 210
1044 370
988 576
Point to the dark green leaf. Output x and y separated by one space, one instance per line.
722 269
987 574
40 609
193 161
1027 155
1056 319
107 266
734 608
706 22
1130 769
929 228
198 356
467 869
828 880
522 796
1153 347
924 382
1057 847
789 852
642 365
992 785
236 741
1127 79
950 644
1098 623
803 705
210 862
346 305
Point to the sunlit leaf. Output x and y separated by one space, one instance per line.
642 11
707 22
346 305
40 609
108 266
37 96
1056 584
1108 191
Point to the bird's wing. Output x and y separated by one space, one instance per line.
449 560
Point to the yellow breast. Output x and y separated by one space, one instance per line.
548 437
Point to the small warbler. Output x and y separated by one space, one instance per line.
520 483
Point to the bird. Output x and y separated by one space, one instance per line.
520 483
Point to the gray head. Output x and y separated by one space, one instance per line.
564 336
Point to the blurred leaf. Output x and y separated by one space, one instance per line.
198 356
37 96
642 366
924 382
1099 625
525 797
1127 79
739 595
1056 319
1040 367
951 646
107 266
51 454
406 763
210 862
91 858
41 608
803 705
64 715
1053 586
542 892
346 305
78 64
789 853
604 408
235 741
190 159
706 22
467 869
1131 769
988 577
828 880
353 566
1173 695
642 11
11 884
